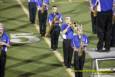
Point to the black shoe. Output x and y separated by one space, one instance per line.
107 50
68 66
42 35
32 22
99 50
53 49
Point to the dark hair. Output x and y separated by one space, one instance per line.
54 6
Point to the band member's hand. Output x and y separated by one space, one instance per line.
39 8
65 30
75 49
2 43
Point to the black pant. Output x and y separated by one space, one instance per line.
2 63
104 26
42 21
67 52
113 36
55 32
93 20
79 63
32 11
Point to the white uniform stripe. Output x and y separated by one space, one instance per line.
98 6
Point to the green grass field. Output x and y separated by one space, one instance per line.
36 59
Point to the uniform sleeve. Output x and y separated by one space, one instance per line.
61 18
46 1
72 43
93 3
63 27
69 29
39 3
75 42
50 18
86 40
8 39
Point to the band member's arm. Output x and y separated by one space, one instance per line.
46 2
50 23
39 5
60 19
74 45
65 30
43 5
6 43
93 5
50 20
85 42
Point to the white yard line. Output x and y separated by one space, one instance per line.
52 0
63 2
56 53
70 0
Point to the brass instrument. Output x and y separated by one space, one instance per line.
55 20
43 8
95 13
95 10
81 49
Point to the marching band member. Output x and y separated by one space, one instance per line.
113 27
79 44
104 24
4 43
42 15
32 10
54 20
93 16
67 33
